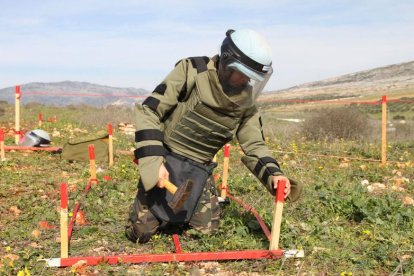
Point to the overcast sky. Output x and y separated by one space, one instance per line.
136 43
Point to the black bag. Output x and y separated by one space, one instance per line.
181 169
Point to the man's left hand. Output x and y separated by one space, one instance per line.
278 178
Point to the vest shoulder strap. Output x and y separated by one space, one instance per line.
200 64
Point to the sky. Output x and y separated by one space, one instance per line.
136 43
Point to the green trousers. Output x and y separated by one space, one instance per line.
142 224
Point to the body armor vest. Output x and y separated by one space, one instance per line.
206 120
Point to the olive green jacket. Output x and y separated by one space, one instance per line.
189 114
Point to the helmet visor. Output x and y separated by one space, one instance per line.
30 139
239 79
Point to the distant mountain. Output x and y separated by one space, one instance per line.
391 79
396 79
76 93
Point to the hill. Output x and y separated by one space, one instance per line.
392 80
397 79
73 92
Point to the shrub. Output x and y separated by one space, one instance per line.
34 105
3 105
398 117
403 132
102 116
336 123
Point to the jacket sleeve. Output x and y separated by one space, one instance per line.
151 113
258 158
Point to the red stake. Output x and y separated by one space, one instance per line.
2 155
110 145
225 171
92 164
39 118
177 244
77 207
277 215
169 257
64 248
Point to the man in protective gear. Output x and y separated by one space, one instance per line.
201 105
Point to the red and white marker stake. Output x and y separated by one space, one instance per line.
384 131
110 145
18 95
2 155
225 171
39 119
64 242
92 163
277 215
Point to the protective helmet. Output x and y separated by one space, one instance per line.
35 138
247 52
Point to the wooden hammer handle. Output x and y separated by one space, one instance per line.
169 186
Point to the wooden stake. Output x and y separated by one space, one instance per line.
39 118
110 145
17 115
384 132
50 149
64 241
92 164
225 171
277 215
2 155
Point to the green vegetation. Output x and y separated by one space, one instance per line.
401 109
336 123
346 222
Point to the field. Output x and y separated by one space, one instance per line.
355 217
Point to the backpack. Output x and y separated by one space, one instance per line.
76 149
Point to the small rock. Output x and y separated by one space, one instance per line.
375 187
344 165
408 201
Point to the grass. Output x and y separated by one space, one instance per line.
342 226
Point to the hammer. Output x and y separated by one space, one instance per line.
180 194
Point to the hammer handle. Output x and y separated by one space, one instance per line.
169 186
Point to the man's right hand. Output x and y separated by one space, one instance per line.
162 175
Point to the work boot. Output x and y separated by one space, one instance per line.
130 234
133 237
